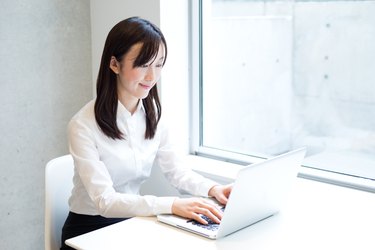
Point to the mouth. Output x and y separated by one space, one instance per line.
146 86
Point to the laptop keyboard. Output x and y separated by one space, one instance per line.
212 226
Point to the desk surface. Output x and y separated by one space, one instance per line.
316 216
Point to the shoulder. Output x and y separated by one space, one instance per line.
85 116
86 111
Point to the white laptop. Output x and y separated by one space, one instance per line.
258 192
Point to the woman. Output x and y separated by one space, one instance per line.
116 138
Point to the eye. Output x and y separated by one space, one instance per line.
143 66
159 65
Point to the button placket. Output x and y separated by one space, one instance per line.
133 146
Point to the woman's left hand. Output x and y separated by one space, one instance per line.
221 193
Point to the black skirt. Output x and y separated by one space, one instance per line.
77 224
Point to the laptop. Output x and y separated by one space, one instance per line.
258 193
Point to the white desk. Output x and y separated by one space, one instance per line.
316 216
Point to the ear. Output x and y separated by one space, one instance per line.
114 65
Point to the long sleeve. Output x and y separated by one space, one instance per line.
177 172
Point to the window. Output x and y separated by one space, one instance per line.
270 76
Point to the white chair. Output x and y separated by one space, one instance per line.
58 186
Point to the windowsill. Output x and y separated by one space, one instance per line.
338 179
225 172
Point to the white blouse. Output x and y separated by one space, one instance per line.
108 173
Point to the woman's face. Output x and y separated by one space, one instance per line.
135 83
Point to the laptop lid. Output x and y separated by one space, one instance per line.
258 192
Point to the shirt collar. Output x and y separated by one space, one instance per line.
123 112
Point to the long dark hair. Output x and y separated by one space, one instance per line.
120 39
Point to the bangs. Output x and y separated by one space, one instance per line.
149 51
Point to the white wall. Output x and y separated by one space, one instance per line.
45 77
176 81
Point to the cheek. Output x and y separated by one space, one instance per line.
133 75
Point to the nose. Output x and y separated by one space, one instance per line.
150 74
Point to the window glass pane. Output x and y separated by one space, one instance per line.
277 75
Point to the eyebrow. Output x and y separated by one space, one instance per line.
161 58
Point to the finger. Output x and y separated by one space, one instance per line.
207 208
211 215
228 190
222 199
224 195
216 210
213 208
199 219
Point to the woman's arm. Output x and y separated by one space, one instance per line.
185 179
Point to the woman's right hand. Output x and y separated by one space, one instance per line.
193 208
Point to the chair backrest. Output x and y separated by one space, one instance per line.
58 186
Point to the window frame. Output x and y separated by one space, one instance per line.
196 125
196 115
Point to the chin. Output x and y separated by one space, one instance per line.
143 96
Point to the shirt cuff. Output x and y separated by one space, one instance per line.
206 186
163 205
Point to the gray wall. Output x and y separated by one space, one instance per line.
45 77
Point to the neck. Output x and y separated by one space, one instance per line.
130 103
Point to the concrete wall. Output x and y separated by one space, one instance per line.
50 53
45 77
315 88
